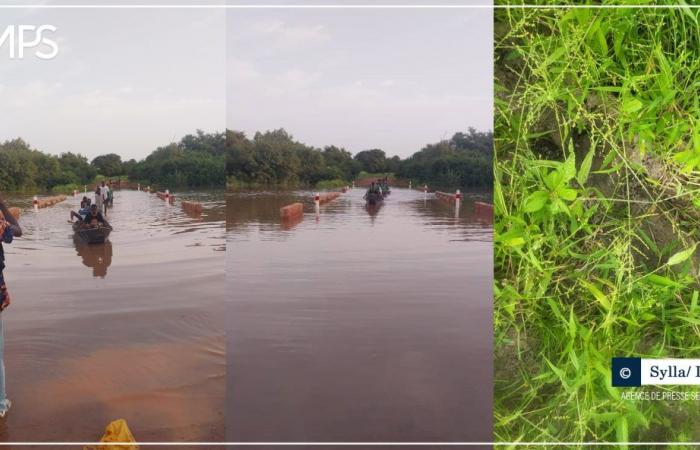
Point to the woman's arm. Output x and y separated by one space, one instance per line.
16 229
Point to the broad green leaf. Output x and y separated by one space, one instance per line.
559 206
553 56
535 201
554 179
661 280
555 309
602 298
569 167
622 431
585 168
681 256
631 105
572 324
567 194
499 200
688 11
514 242
559 373
692 320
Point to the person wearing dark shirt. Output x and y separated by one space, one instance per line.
94 218
9 228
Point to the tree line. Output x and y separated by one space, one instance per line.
271 158
276 158
197 160
465 160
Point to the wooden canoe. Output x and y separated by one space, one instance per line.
92 235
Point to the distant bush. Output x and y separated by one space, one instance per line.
66 189
362 175
331 184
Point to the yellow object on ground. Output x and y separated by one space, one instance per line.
116 431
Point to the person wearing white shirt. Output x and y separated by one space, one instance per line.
104 190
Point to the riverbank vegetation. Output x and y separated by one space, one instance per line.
273 158
465 160
276 158
196 161
597 201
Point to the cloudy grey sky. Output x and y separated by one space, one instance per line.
125 81
129 80
394 79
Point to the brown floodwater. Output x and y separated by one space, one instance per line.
358 324
129 329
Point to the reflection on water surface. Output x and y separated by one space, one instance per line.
358 323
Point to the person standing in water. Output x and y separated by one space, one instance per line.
110 195
98 198
9 228
104 190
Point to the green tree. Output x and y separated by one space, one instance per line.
465 160
196 161
275 158
76 169
109 165
372 161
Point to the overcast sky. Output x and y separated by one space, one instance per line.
130 80
124 81
380 78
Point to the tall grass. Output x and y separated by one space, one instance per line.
597 201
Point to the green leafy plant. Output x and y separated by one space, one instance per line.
597 206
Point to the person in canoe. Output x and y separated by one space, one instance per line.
9 228
94 218
374 193
82 212
374 188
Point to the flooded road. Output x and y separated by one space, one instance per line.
129 329
358 324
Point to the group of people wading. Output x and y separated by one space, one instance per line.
93 214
